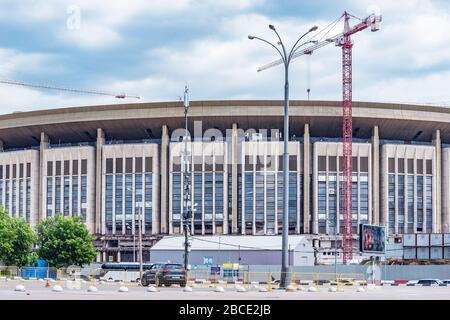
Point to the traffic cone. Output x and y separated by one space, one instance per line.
47 283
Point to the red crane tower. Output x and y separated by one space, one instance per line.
343 40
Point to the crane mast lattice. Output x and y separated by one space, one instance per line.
343 40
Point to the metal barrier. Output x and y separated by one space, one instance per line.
9 271
202 278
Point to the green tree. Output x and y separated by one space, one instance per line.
65 241
16 241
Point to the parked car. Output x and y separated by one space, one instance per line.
164 274
446 281
430 282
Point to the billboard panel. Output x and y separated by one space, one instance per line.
372 239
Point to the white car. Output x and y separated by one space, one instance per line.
429 282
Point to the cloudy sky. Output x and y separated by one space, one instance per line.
152 48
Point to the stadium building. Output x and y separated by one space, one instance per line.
106 163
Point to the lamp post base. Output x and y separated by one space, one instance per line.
286 276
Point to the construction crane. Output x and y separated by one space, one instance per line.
50 87
344 41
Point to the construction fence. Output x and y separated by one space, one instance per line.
194 278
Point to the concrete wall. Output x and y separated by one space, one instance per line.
231 256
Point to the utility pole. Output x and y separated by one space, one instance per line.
187 208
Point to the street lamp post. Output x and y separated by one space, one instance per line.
134 240
187 207
140 240
139 206
286 58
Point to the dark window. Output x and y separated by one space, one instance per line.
419 166
332 163
66 167
58 168
322 163
341 163
21 170
49 168
293 163
248 163
410 165
1 172
7 173
280 163
364 164
75 167
28 170
14 171
429 167
138 165
219 163
119 165
128 165
84 166
259 163
391 165
148 164
176 164
209 163
355 164
109 165
401 165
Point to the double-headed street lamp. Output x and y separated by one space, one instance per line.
286 58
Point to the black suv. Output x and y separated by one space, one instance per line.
165 274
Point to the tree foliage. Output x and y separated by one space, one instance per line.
65 241
16 241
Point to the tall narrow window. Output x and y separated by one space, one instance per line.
248 205
66 194
49 196
83 197
75 209
148 202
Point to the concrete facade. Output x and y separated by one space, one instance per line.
397 143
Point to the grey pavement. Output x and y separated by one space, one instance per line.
109 291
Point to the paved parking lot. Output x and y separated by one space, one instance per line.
37 290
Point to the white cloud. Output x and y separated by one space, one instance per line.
403 62
90 36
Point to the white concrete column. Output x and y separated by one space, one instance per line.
437 185
306 180
234 179
315 174
375 177
164 179
99 227
445 190
383 214
42 184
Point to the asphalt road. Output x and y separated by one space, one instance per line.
109 291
